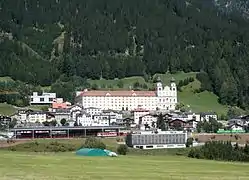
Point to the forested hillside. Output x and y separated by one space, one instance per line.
42 39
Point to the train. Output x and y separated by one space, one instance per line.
222 131
111 134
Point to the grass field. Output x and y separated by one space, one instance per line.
68 166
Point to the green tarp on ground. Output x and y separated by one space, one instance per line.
93 152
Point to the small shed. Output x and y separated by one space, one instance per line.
94 152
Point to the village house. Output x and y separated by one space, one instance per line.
142 116
92 110
179 124
43 99
5 120
61 114
235 127
60 104
38 116
84 119
207 115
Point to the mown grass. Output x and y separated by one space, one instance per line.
68 166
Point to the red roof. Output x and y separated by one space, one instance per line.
59 105
120 93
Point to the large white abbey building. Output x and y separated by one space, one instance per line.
164 98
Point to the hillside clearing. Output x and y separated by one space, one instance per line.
6 109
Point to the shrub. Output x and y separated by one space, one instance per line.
12 148
122 149
53 146
189 142
92 142
194 153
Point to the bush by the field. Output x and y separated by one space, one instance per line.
122 149
220 150
52 146
159 152
93 142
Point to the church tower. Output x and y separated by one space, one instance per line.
173 89
159 86
173 84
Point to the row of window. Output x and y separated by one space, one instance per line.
117 102
42 99
167 100
116 105
171 89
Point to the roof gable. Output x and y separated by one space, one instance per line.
120 93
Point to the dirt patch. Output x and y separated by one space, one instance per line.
240 138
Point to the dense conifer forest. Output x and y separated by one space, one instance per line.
42 39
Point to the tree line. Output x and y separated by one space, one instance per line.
40 40
221 150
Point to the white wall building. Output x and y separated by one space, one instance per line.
160 140
44 98
34 117
74 111
207 115
116 115
164 98
104 118
143 114
84 119
20 115
92 110
236 127
61 115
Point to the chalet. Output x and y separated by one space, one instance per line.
181 124
235 127
235 121
61 114
4 120
207 115
84 119
40 117
245 120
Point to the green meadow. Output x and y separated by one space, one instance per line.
68 166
